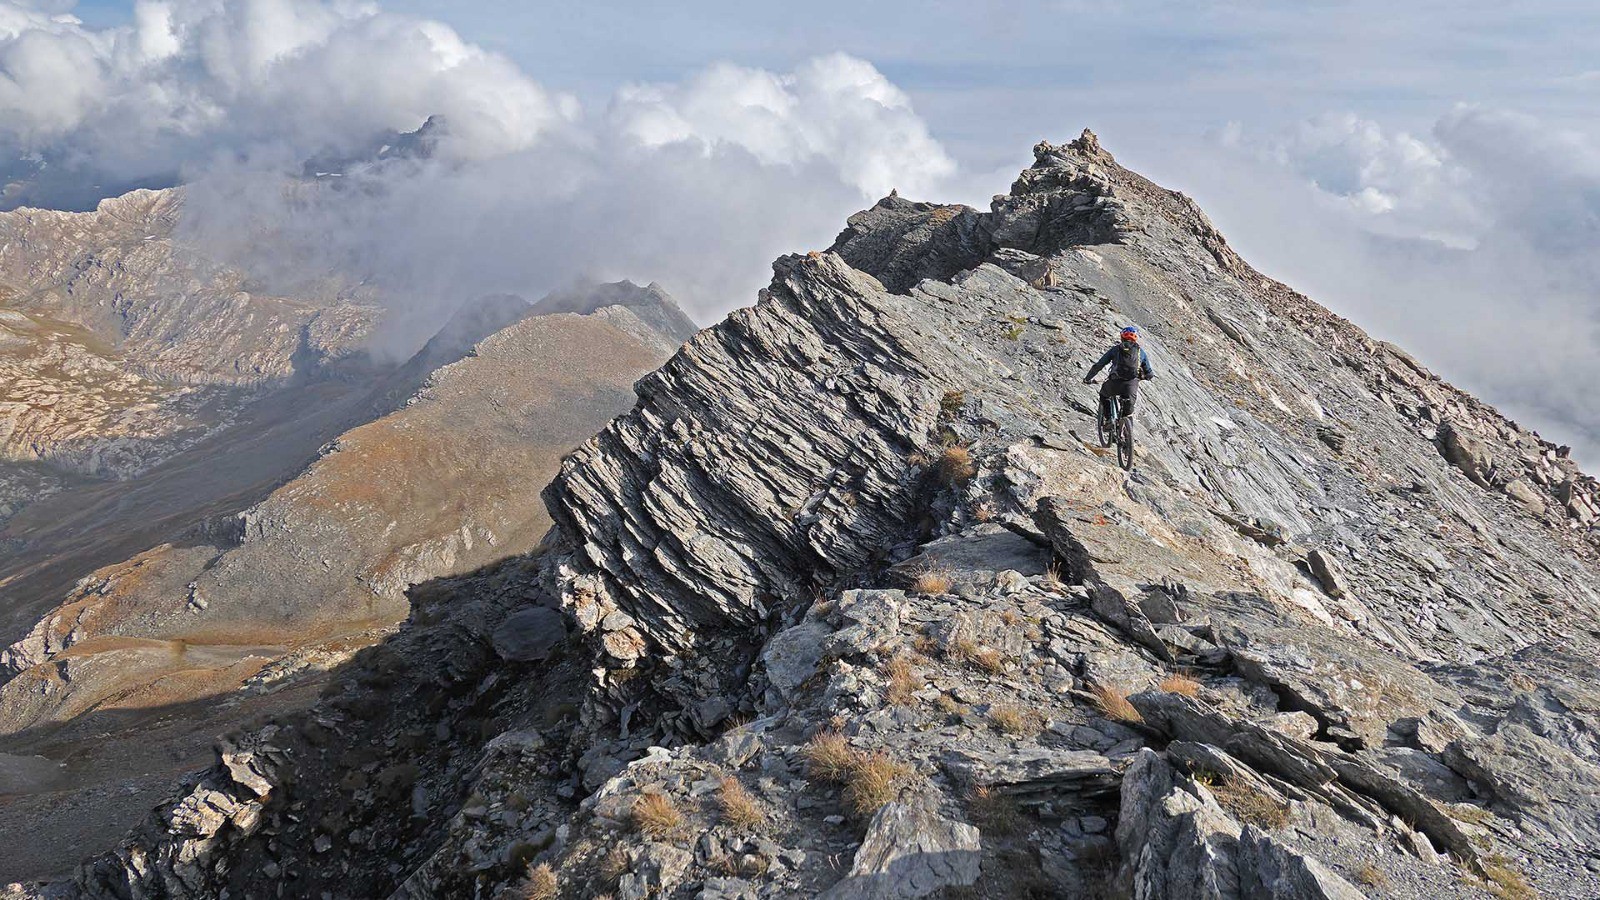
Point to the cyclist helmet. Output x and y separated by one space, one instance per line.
1130 333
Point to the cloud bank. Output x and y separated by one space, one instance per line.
696 184
1472 244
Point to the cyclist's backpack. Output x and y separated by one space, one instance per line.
1126 365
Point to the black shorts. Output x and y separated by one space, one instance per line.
1125 388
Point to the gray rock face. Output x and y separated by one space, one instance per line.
1180 702
794 656
1269 870
1034 772
908 853
530 635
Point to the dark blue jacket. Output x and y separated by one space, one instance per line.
1144 363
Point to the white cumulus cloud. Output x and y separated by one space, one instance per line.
697 183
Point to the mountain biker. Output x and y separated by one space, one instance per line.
1129 365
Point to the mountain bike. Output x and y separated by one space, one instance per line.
1115 428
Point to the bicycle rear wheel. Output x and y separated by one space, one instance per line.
1125 442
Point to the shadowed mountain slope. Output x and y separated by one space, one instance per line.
252 608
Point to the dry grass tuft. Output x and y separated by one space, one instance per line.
1011 720
1251 805
903 681
932 582
948 704
951 404
1371 876
917 459
1053 579
956 465
739 806
1114 705
993 811
1505 882
830 757
987 659
1472 815
1179 683
540 884
657 816
614 865
875 779
870 779
983 512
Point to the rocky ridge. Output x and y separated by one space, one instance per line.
848 606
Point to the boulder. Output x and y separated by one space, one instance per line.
1466 452
1327 572
1531 499
795 655
530 635
910 852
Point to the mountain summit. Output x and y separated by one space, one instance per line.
851 604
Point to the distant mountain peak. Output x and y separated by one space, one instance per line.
651 303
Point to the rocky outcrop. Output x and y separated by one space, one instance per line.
853 581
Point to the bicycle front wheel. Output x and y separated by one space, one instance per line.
1125 443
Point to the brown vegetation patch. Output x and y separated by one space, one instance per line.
541 884
1251 805
956 465
1053 579
1505 882
903 681
932 582
875 779
829 756
969 653
1179 683
739 807
657 816
870 779
613 866
1113 704
1011 720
